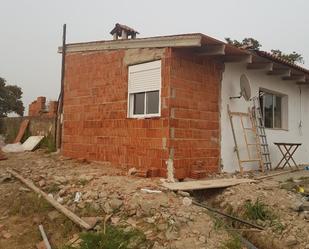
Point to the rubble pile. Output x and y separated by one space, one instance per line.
290 230
167 219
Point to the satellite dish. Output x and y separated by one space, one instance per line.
245 90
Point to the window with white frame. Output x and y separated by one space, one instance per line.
144 90
274 109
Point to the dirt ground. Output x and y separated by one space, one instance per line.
162 217
165 219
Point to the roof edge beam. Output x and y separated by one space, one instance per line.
212 50
261 66
247 58
280 71
298 78
185 41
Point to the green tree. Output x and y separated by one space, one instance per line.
246 43
253 44
10 99
293 57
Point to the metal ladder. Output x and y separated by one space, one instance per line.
260 129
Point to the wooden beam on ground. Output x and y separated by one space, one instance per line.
45 239
73 217
237 58
205 184
211 50
277 174
260 66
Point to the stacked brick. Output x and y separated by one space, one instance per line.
194 107
39 108
96 126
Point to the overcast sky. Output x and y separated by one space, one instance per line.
31 30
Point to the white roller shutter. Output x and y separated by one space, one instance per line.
145 77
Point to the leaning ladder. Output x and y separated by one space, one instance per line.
259 122
245 130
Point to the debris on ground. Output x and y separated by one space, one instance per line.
141 211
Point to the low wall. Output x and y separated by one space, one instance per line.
42 126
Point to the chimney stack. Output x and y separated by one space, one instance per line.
123 32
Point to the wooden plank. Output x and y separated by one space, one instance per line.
22 128
250 160
45 239
73 217
205 184
277 174
240 114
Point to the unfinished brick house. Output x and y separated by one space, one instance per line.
150 103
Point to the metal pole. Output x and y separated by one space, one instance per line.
60 99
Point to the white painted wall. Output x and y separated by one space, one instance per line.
259 79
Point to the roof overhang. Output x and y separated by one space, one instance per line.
202 45
194 40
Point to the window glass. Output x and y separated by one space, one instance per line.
139 103
277 112
268 110
152 102
271 106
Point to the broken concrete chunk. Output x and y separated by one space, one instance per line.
132 171
6 235
62 192
42 183
60 179
5 178
186 201
183 193
92 221
77 197
291 240
116 203
151 191
107 208
53 215
22 189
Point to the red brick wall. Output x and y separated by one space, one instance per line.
194 105
38 108
96 126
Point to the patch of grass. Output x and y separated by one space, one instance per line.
277 227
28 204
233 243
258 211
26 135
82 182
68 226
114 238
49 143
218 223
